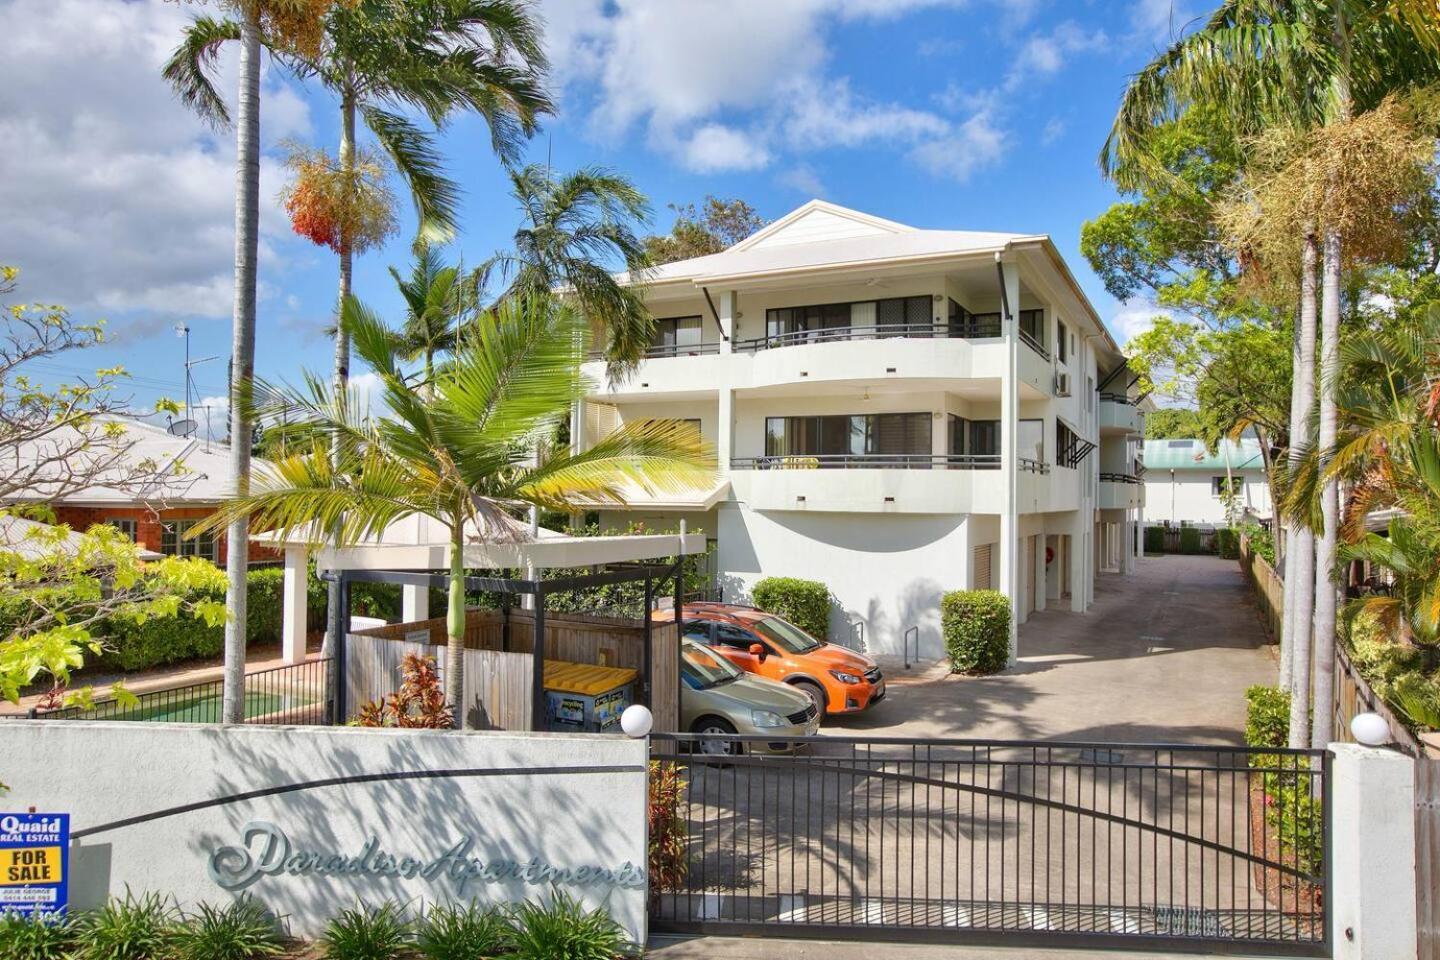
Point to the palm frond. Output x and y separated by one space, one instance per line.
650 455
413 152
190 68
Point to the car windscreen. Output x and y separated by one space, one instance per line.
785 635
702 669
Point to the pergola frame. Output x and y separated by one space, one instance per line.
650 573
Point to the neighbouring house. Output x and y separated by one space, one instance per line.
158 488
897 412
1185 482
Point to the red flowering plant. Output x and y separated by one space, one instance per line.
350 210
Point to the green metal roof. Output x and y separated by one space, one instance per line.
1192 455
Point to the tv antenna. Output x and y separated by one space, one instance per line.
187 425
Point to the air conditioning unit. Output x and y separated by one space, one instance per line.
1062 384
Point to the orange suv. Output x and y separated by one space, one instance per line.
836 679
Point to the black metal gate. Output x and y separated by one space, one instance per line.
1217 848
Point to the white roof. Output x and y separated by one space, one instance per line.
29 539
423 543
821 234
157 468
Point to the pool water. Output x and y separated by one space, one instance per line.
206 708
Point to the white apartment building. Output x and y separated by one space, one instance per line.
1185 483
897 413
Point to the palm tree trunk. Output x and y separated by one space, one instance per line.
455 626
341 376
1326 599
1300 563
247 216
1303 345
1322 729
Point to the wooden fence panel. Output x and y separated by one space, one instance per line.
1269 588
1427 857
498 690
665 689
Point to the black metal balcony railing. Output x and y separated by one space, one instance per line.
1033 344
978 328
1119 478
882 461
1107 396
656 351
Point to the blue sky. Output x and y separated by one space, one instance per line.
961 114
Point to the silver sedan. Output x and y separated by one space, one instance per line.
718 698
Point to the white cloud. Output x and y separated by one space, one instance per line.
1054 130
715 147
1046 54
803 179
1131 320
973 145
116 197
829 114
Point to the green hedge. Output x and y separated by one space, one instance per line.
1154 540
1267 716
155 642
976 628
805 603
1227 543
1189 540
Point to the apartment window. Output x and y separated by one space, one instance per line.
1070 450
873 434
1032 324
126 527
677 336
984 438
980 567
1218 485
173 540
1062 341
901 312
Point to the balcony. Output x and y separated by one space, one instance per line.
978 329
1120 491
1119 415
880 483
661 350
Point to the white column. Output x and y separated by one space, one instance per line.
725 430
1040 588
1127 546
1372 817
1079 560
1009 467
414 603
725 305
293 599
1140 527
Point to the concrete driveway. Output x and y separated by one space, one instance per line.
1163 656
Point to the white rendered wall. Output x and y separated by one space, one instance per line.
888 571
1190 498
591 813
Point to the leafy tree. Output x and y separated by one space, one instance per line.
438 300
576 227
1172 423
696 233
57 586
459 451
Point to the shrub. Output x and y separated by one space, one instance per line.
1189 540
265 608
563 928
241 930
1262 541
1418 700
367 933
419 704
136 644
1154 539
1227 543
805 603
976 627
463 933
24 937
1267 716
135 928
668 862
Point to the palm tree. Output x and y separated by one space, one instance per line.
438 298
1299 64
460 452
574 226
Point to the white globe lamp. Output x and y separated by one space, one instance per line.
1370 729
636 721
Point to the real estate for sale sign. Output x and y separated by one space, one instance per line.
34 862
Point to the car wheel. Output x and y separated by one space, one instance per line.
721 730
816 695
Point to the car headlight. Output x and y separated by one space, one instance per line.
844 677
767 718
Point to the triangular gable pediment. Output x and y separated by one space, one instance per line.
818 221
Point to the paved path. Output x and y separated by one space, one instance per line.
774 948
1163 656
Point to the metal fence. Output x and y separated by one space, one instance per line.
298 694
1002 842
